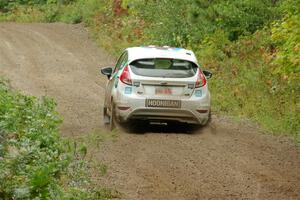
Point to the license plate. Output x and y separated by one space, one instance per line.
163 91
163 103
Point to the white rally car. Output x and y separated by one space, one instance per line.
156 84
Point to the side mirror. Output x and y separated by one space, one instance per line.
107 71
207 74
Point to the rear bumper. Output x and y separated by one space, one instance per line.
180 115
187 113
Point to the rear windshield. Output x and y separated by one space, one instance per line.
161 67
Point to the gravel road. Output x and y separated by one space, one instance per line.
226 160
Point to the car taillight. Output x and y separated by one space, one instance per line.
201 80
125 76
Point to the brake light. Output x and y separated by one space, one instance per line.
125 76
201 80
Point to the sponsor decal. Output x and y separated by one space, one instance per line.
198 93
163 103
128 90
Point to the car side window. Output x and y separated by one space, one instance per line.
124 61
121 62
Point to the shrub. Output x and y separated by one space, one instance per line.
286 35
183 23
33 157
35 162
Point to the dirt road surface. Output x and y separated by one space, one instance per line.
226 160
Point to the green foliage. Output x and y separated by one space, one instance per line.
69 11
34 160
81 11
182 23
244 84
286 35
33 156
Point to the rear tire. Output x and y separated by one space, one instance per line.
109 121
112 118
105 116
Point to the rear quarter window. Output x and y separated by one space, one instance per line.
161 67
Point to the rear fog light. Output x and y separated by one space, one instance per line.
202 111
123 108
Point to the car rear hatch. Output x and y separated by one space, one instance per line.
162 78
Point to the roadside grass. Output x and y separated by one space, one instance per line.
35 161
245 86
53 11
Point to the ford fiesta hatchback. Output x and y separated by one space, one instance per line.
156 84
